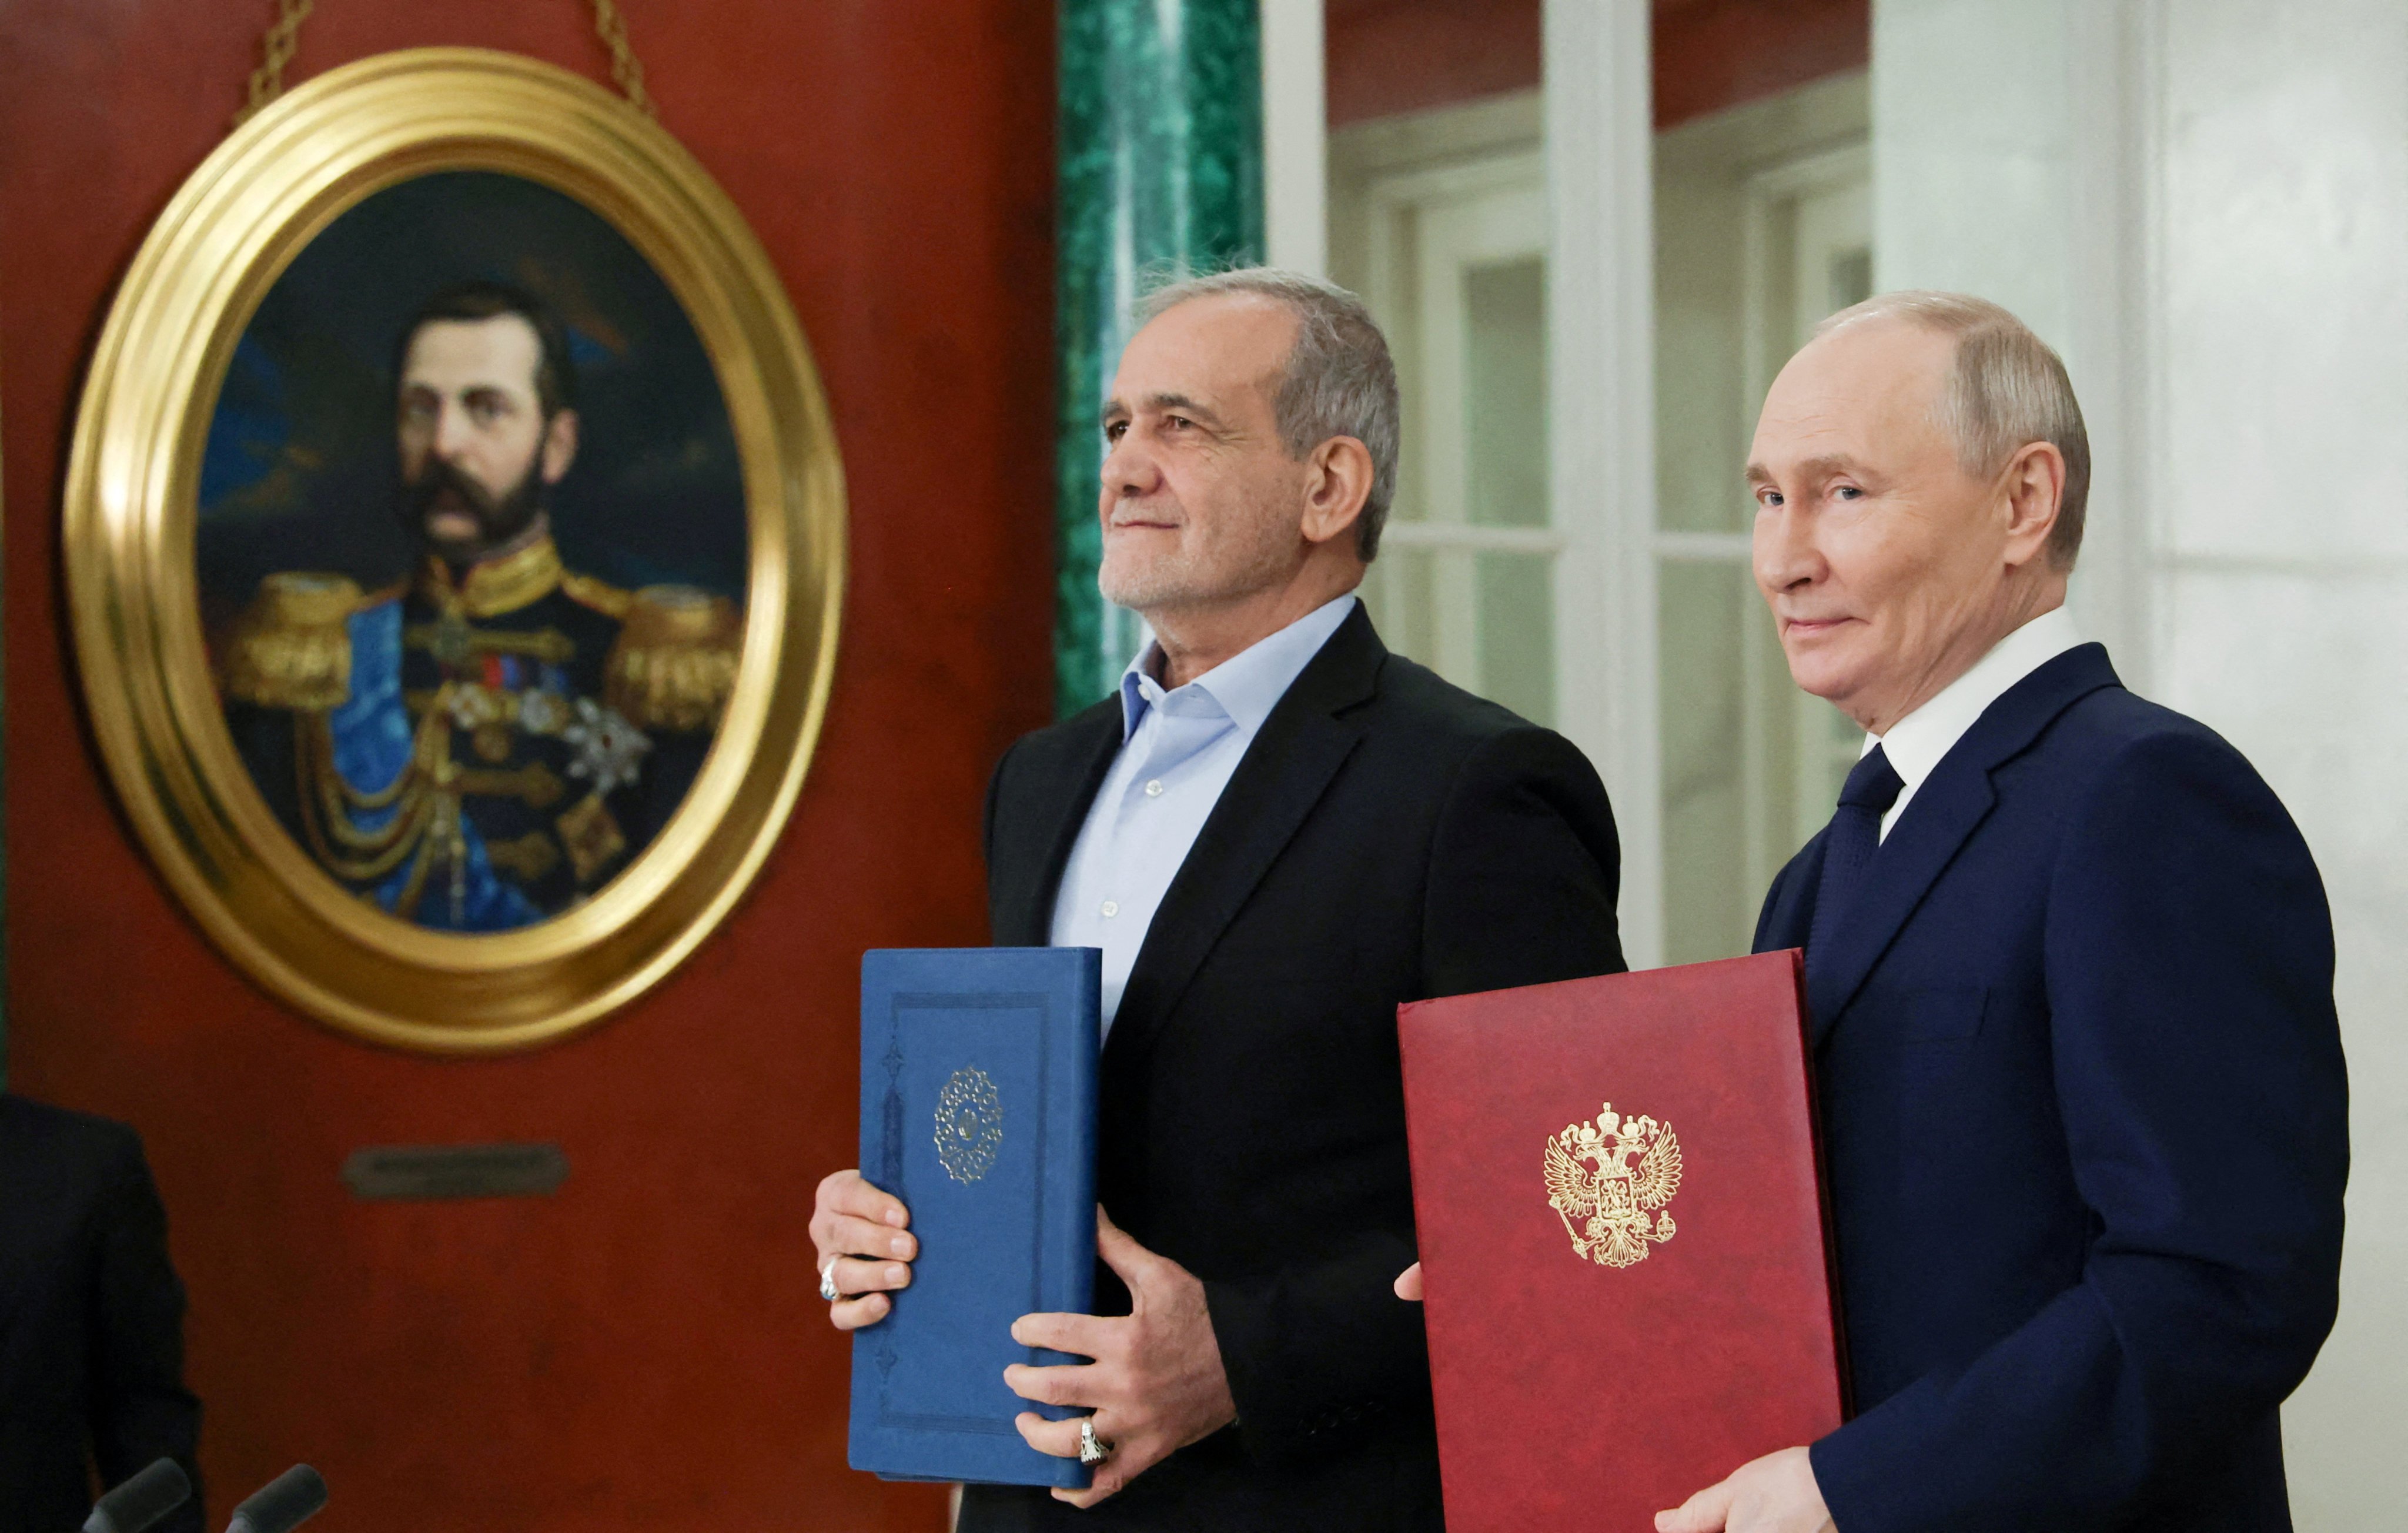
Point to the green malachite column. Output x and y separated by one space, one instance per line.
1161 167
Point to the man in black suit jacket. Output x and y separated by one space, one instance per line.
1382 837
2071 971
91 1317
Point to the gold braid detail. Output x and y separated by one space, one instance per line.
427 826
326 799
598 596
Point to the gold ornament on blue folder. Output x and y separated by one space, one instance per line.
970 1124
1609 1206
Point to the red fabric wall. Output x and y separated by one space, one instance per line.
646 1349
1389 56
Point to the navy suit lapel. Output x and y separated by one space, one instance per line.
1064 782
1945 812
1285 770
1953 801
1789 910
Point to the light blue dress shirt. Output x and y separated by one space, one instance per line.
1178 751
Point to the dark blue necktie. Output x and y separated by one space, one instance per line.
1849 844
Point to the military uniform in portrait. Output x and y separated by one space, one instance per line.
479 751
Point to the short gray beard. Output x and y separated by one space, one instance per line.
1167 585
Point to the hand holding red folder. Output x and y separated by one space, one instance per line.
1775 1493
1627 1304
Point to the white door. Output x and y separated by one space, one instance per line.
1749 766
1466 579
1454 262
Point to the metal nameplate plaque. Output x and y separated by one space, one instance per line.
434 1171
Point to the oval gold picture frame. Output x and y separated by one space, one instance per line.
131 524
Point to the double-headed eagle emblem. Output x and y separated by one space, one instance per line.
1611 1212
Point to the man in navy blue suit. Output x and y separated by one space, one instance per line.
2070 972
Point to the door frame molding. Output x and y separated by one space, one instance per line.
1601 358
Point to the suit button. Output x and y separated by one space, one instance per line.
1154 789
1110 908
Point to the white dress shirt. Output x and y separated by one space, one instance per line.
1916 743
1179 748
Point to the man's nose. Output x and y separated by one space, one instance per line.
450 431
1129 471
1783 549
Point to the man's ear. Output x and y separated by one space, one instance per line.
1337 482
559 445
2033 488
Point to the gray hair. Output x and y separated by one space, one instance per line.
2007 391
1339 379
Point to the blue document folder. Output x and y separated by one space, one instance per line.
978 1110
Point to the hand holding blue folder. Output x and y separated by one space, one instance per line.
978 1111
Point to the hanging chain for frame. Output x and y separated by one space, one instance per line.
275 51
283 35
611 28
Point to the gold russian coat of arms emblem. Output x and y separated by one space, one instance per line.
1611 1207
970 1124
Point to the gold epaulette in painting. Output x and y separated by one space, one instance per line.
291 646
675 661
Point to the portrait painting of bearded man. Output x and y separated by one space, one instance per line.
477 714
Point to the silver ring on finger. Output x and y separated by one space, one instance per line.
1092 1450
827 1283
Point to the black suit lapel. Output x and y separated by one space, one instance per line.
1299 749
20 1196
1952 803
1034 834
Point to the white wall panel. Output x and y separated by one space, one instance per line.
2007 151
2283 457
2204 204
2285 270
1971 133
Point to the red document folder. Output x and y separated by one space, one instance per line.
1621 1238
